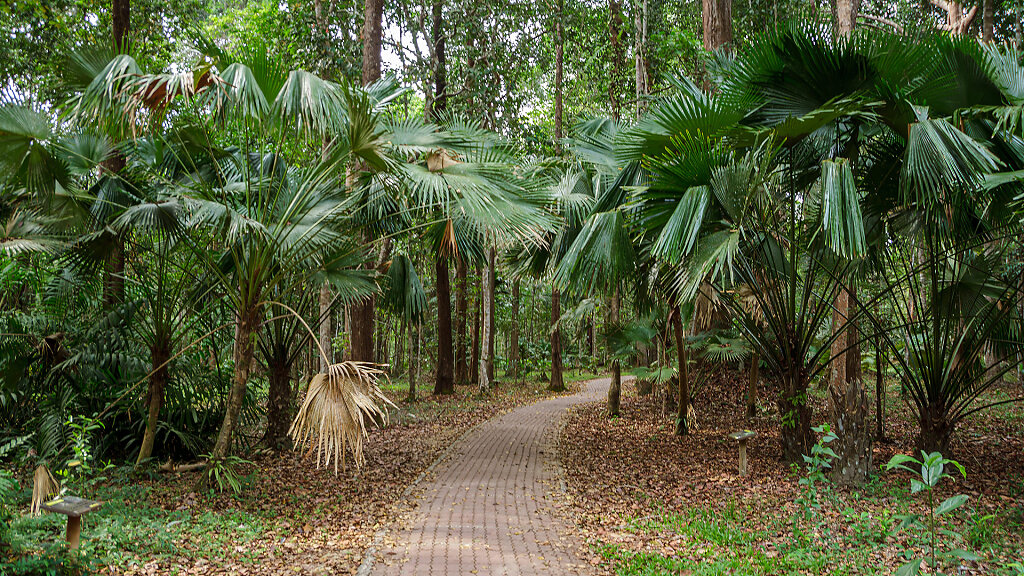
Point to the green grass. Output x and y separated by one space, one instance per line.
129 530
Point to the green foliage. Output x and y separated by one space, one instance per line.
930 470
224 473
816 466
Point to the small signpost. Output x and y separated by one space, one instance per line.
742 437
74 508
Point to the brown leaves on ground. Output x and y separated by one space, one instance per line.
315 522
629 470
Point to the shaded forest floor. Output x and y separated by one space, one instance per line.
653 503
289 518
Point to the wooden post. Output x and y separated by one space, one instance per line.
742 437
74 531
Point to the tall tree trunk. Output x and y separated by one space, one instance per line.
844 15
445 382
440 103
849 400
414 361
159 354
461 322
475 352
559 49
113 276
683 402
618 57
491 317
615 389
752 380
245 326
326 327
879 392
514 354
988 22
279 399
487 324
556 384
362 313
373 39
717 17
640 57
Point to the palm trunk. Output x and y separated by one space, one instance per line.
935 429
753 377
279 398
683 403
796 434
414 364
461 322
475 357
245 326
373 12
514 354
326 327
159 355
615 389
487 324
445 382
556 384
844 14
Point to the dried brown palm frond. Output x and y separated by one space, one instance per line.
43 485
338 407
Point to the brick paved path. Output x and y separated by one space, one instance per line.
486 511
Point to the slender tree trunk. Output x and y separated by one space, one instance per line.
491 317
615 390
461 323
879 393
362 313
514 355
487 324
487 358
120 24
245 326
113 281
326 327
753 377
159 355
683 402
279 400
440 103
556 384
640 57
618 57
717 17
413 361
373 39
559 56
844 15
849 401
475 360
445 383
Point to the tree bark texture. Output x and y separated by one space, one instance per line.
279 400
795 412
373 38
514 354
844 14
487 325
753 378
717 17
462 367
445 380
245 326
440 103
475 352
556 384
615 389
683 402
159 354
618 56
848 399
326 328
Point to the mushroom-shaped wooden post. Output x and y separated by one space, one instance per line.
742 437
74 508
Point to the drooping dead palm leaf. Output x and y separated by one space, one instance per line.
335 415
43 485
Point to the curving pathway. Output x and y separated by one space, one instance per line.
487 511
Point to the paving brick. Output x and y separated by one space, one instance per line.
489 510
